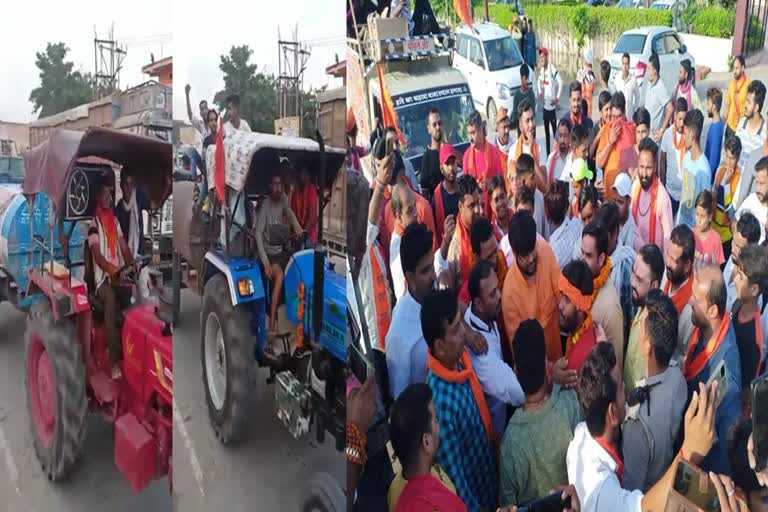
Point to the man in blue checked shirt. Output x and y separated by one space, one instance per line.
467 451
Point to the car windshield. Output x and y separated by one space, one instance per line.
630 43
502 53
11 170
454 111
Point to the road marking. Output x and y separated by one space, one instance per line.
10 464
179 421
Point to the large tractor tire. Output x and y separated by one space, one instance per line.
323 494
56 396
228 358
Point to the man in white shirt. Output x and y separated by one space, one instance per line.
595 465
757 202
557 160
672 154
233 114
566 231
751 130
523 175
499 382
627 83
199 123
655 98
548 87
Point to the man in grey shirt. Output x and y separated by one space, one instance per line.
656 405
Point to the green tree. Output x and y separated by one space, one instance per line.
255 88
61 88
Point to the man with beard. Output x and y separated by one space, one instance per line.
445 199
525 92
714 144
737 97
757 202
685 88
484 248
747 233
499 382
642 119
431 162
501 138
655 407
500 211
753 133
672 154
566 232
403 203
455 270
655 98
651 205
531 287
604 117
559 158
524 145
523 175
622 258
623 201
647 273
678 282
626 83
548 86
573 313
482 159
575 116
605 305
714 340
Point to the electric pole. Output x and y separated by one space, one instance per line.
292 58
108 59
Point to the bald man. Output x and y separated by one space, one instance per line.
713 340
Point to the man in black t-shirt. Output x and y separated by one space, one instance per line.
445 201
430 174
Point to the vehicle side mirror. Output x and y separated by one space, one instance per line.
683 49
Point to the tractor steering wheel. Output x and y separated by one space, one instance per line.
138 263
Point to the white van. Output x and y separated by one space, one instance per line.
490 61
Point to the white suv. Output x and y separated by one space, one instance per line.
639 43
490 61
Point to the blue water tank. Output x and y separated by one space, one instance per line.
15 237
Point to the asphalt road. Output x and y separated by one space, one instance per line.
266 472
96 484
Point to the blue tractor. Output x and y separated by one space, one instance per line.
217 258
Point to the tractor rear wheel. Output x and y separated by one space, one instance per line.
56 396
228 357
323 495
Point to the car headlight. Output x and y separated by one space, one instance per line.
503 91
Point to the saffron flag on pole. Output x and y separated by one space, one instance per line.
388 114
219 176
464 11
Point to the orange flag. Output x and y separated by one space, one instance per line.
388 114
464 10
219 178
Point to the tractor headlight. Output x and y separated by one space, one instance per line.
503 91
245 287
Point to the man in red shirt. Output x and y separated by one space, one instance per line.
304 204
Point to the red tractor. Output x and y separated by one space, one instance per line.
67 363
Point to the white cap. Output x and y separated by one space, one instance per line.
623 184
588 55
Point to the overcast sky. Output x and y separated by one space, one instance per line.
142 26
202 37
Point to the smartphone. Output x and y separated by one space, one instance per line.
720 374
695 486
552 503
760 421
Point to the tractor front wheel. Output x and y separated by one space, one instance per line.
56 397
323 494
228 358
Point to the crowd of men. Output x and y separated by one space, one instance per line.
547 322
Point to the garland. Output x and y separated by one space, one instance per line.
601 278
574 337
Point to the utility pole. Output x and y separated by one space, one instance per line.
292 58
108 59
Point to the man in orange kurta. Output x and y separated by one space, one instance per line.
531 286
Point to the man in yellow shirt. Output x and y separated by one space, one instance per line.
737 97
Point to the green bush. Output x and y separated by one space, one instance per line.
582 20
755 34
713 22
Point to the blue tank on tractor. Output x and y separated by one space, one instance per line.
16 241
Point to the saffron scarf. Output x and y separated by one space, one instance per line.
601 279
551 170
465 245
614 455
460 377
720 219
439 210
651 209
108 224
534 150
683 294
304 201
737 87
686 91
582 303
472 166
380 298
692 366
680 147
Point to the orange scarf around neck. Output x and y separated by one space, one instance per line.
601 279
692 366
683 294
680 147
460 377
465 246
472 167
651 209
106 218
